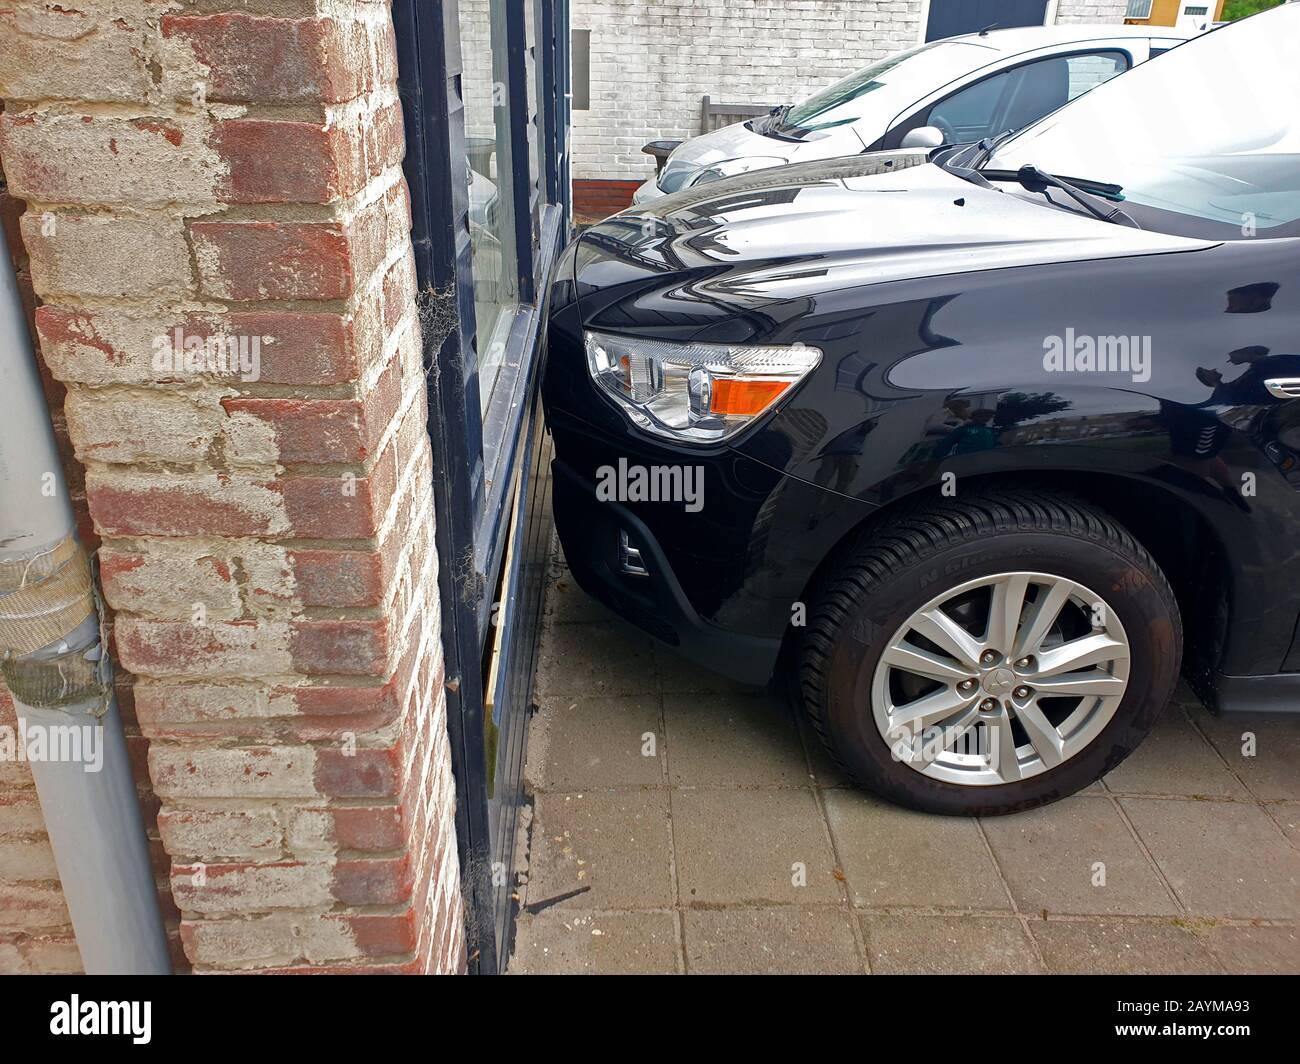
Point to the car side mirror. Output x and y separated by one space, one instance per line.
660 150
923 137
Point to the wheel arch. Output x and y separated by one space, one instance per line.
1173 530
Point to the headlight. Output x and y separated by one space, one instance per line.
697 393
732 167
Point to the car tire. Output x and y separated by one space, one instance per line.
1014 747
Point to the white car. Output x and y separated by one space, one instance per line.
957 90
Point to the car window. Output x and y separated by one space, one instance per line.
1089 71
1160 45
886 86
1018 97
969 114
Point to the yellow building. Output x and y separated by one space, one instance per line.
1191 14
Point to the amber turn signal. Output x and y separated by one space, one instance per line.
736 395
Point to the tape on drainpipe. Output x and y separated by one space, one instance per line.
44 597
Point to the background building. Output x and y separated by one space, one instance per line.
1182 13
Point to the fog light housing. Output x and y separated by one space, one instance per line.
629 557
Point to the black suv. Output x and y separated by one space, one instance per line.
977 444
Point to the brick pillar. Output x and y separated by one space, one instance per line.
218 230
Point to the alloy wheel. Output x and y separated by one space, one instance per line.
1001 678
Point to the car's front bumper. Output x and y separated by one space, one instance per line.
589 530
648 192
724 579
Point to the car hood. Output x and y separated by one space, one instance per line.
738 141
797 231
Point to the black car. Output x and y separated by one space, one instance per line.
976 445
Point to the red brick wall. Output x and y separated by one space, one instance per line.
267 531
594 200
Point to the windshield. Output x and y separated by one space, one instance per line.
1209 131
905 77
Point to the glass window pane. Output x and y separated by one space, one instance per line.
1020 96
532 72
1089 71
532 77
968 115
491 214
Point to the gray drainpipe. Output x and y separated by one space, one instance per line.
54 663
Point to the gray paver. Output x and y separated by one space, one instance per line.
1175 758
1222 858
896 857
635 943
1256 950
613 843
937 945
732 740
595 659
1051 859
741 846
1113 947
786 940
582 743
1273 771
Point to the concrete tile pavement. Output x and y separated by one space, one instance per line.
685 824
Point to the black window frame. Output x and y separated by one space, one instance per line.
480 455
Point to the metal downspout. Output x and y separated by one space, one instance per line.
53 661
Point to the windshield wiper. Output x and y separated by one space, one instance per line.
1082 191
989 145
965 160
769 125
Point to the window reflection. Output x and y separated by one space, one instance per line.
491 223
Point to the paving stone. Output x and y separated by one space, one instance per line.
596 742
590 660
678 675
1256 950
740 847
1222 858
1175 758
1049 858
1113 947
578 943
897 857
1274 770
1287 816
567 603
614 843
732 740
784 940
936 945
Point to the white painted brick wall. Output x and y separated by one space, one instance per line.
1091 10
653 60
